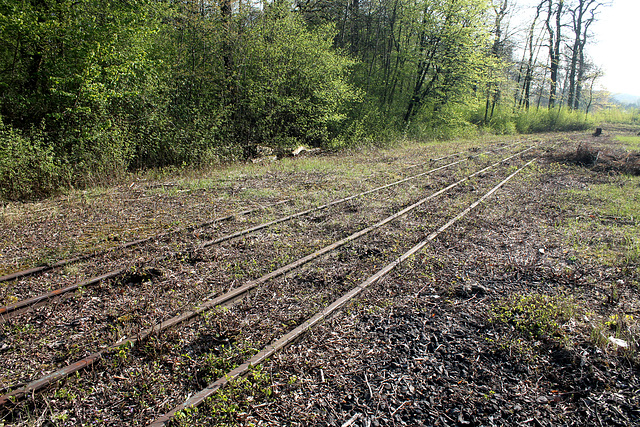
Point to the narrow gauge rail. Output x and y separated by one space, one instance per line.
95 253
230 296
8 311
196 399
62 263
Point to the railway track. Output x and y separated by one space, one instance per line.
269 350
164 235
98 252
7 311
95 253
219 299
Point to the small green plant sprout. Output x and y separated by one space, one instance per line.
488 396
183 416
624 329
618 332
617 322
123 352
65 394
62 416
535 316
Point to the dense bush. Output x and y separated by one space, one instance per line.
293 87
507 122
151 84
618 115
27 166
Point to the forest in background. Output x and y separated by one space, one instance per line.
90 90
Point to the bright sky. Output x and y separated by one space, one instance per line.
617 35
614 46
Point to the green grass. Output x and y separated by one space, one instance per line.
631 142
610 216
618 115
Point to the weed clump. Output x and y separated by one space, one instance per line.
535 316
230 405
620 331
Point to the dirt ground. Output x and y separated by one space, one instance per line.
525 312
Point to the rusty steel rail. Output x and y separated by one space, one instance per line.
499 145
343 200
227 297
325 206
64 262
435 160
268 351
11 308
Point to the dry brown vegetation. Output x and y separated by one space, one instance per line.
506 318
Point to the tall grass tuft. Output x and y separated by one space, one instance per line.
618 115
552 120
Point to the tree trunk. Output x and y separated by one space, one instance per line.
227 54
355 26
530 64
555 37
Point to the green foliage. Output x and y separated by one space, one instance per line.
535 316
226 405
52 74
27 165
65 394
449 122
85 91
114 86
161 83
502 122
618 115
420 63
452 52
292 88
556 119
507 122
184 102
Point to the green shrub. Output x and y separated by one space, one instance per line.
505 121
99 151
294 86
503 124
28 168
445 122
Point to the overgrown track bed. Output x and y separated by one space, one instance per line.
502 321
80 267
76 259
126 269
129 317
50 232
337 303
463 273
